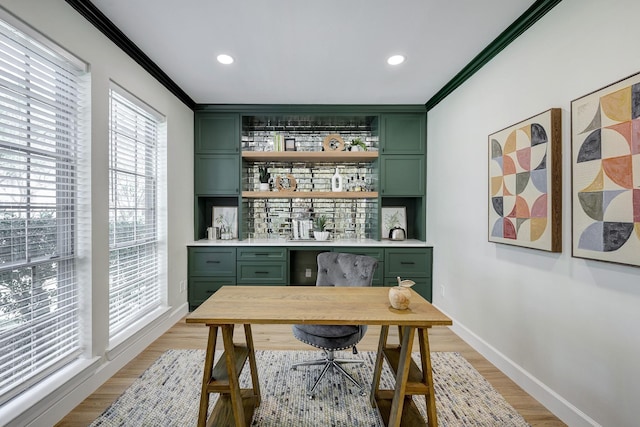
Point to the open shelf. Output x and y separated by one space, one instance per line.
309 194
310 156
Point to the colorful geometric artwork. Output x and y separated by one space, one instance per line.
605 146
525 186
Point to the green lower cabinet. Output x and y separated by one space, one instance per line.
201 288
410 263
262 273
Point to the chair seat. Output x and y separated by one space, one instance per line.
330 337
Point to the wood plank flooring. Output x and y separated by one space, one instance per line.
279 337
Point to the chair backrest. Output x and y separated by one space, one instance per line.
341 269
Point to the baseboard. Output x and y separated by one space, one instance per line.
551 400
49 410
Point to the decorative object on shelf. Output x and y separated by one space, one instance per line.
333 142
319 225
605 191
393 218
286 183
264 176
357 145
525 183
225 217
397 233
289 144
336 181
400 296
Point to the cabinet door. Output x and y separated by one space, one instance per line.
201 288
407 263
403 133
206 261
217 133
217 175
403 175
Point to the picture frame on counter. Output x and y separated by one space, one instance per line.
393 217
226 219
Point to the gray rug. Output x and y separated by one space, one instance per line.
168 393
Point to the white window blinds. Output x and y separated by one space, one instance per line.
134 285
41 97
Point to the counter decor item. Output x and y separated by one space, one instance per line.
400 296
319 225
394 218
225 217
336 181
357 145
264 177
289 144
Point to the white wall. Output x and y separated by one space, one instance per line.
62 24
566 329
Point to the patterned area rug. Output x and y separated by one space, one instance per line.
168 393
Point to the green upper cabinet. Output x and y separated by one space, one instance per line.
217 132
403 133
402 175
217 175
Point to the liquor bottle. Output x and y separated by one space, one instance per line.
336 181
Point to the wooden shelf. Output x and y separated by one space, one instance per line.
411 416
415 380
310 194
310 156
219 382
222 413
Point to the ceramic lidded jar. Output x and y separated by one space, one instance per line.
400 296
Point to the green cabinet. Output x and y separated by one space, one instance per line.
403 133
217 133
209 269
410 263
262 266
402 175
217 175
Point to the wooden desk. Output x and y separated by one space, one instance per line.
249 305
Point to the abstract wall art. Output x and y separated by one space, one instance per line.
525 183
605 165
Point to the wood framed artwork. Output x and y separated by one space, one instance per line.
605 170
525 183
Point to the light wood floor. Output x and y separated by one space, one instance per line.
279 337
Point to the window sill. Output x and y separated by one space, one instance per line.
135 332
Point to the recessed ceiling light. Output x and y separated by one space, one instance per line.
225 59
395 60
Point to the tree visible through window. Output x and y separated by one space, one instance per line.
134 285
41 94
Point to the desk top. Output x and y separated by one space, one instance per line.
314 305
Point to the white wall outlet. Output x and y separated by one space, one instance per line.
307 272
442 291
183 286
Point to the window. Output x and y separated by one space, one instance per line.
135 288
42 92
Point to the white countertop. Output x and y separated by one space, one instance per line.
409 243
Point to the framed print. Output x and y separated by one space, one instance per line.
605 171
226 217
393 217
525 183
289 144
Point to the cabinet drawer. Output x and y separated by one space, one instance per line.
377 253
212 261
255 273
422 286
262 254
407 263
201 288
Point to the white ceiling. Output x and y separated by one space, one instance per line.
304 52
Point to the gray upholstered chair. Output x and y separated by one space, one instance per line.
337 269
